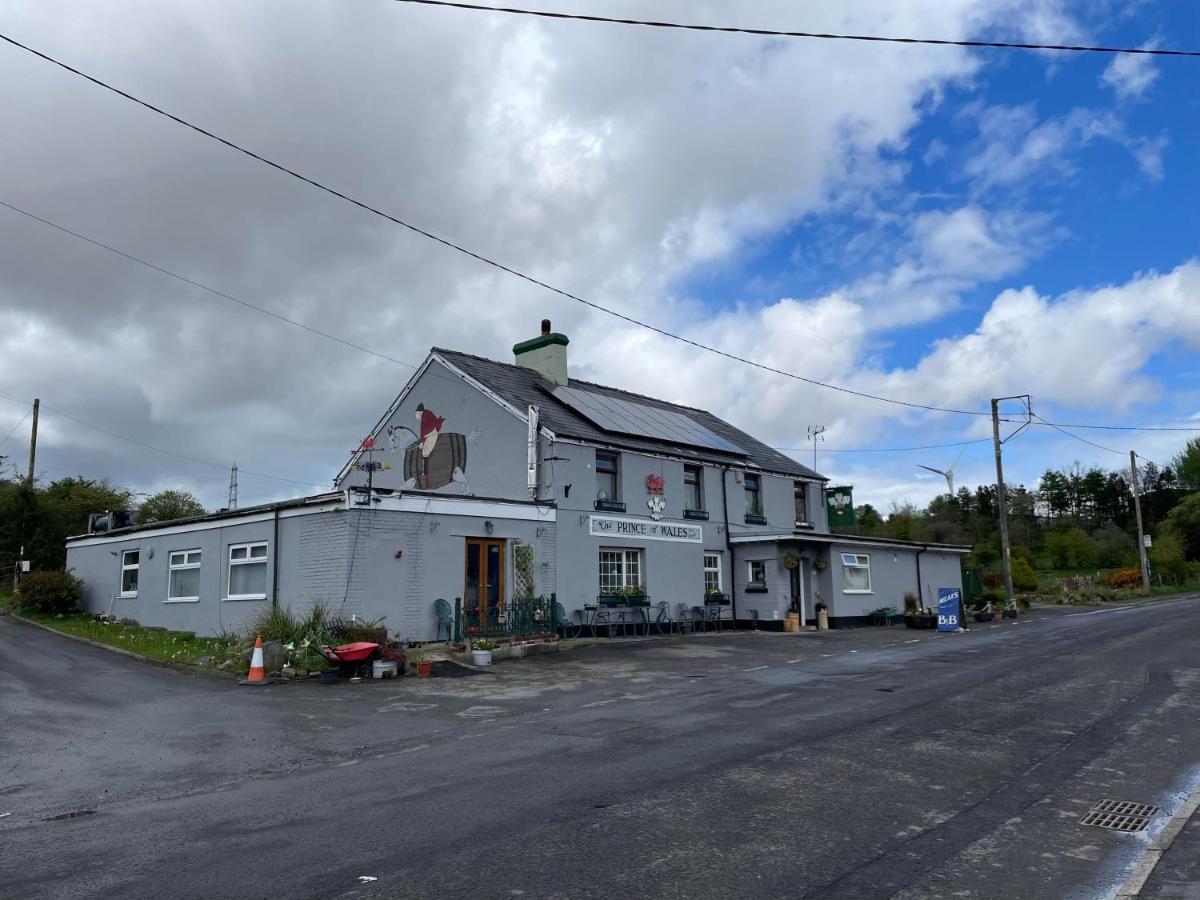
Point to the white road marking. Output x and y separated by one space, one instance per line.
415 749
2 815
853 651
755 668
365 879
795 660
598 703
913 641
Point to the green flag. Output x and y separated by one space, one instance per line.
839 501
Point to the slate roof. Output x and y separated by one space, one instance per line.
522 388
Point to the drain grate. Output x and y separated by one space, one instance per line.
1120 815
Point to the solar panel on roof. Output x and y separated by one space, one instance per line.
626 417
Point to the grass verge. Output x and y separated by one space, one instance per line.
164 646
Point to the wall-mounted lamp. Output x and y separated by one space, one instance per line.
489 526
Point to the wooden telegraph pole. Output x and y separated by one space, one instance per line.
33 440
1002 500
1137 508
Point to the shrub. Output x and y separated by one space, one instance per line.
992 579
994 597
1126 578
1023 575
49 592
274 623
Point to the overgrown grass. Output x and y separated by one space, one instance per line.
167 646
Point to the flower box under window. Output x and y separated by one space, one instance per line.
610 505
755 519
695 514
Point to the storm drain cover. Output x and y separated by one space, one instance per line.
1120 815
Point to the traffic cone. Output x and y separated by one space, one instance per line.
256 677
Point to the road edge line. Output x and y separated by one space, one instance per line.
1141 873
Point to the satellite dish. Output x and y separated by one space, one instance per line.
948 472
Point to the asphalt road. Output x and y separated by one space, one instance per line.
874 763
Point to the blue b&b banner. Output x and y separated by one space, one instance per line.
948 603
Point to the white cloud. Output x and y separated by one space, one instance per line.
1130 76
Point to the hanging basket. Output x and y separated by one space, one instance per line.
791 561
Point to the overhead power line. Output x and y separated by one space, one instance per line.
886 449
767 32
135 442
203 287
1077 437
473 254
1118 427
12 430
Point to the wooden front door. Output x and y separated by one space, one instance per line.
483 591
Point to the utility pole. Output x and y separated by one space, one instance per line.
33 439
1137 508
1002 503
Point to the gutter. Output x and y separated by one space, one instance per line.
275 560
729 544
920 589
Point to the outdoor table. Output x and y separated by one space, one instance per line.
714 610
620 608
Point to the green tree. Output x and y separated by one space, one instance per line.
1187 466
167 505
868 519
1072 549
1167 555
1184 521
41 518
1114 547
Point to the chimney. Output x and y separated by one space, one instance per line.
545 354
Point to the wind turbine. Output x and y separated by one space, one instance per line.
948 474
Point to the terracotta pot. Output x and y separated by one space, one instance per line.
425 668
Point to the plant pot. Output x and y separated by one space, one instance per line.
822 620
425 668
480 658
1010 613
330 676
792 622
920 620
985 617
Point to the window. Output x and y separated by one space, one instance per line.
712 573
693 488
757 575
856 573
753 496
248 571
801 492
183 575
607 480
619 570
129 573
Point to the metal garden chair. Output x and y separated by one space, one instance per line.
445 618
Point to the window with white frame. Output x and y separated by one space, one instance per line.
620 570
712 573
248 571
183 575
757 574
856 573
129 572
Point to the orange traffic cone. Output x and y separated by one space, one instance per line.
256 677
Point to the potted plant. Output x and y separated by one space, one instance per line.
714 597
822 609
481 652
914 616
791 560
635 596
820 564
985 607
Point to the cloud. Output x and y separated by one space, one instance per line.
1129 76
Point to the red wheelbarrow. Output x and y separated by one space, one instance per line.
352 659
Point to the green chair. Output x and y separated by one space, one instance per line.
445 618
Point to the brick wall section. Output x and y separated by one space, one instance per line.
320 574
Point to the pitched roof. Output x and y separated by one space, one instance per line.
523 387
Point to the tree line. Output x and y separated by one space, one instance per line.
40 517
1074 519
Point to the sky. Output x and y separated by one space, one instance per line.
937 225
